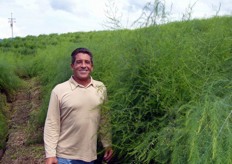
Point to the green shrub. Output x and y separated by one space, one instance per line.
9 81
3 121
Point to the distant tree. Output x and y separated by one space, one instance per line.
218 9
153 13
113 21
188 12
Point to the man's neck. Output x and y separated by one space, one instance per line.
83 82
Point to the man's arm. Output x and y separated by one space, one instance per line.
52 126
51 160
106 135
105 130
105 127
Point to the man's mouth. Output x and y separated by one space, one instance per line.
83 71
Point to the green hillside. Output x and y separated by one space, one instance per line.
169 86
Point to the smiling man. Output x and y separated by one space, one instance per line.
74 116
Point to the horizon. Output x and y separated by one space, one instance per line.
57 17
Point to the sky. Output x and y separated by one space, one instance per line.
38 17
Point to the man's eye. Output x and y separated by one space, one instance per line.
78 62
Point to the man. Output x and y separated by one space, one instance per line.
74 116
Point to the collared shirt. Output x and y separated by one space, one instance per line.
73 119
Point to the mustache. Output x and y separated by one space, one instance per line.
84 69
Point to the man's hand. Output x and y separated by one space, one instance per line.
51 160
108 154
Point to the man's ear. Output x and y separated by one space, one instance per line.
71 65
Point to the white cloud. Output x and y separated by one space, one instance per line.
67 5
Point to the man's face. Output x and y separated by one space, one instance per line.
82 67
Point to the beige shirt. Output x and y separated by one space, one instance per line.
73 119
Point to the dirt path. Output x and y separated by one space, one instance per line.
19 149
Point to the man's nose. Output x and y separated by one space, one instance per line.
83 64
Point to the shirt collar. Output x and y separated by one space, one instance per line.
75 84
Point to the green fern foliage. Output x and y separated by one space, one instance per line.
169 86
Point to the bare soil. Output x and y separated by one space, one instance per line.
22 147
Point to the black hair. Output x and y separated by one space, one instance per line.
81 50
